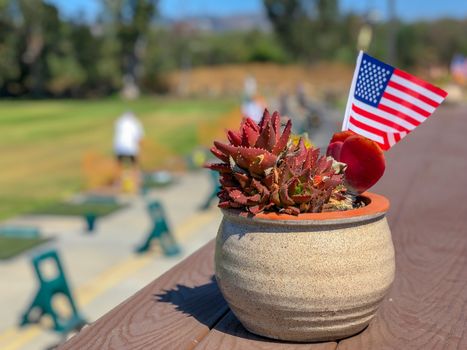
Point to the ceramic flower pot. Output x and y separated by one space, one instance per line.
314 277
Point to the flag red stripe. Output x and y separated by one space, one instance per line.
378 119
355 123
406 104
415 94
397 137
420 82
399 114
367 127
384 146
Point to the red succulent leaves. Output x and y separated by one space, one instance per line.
234 137
363 157
261 170
302 181
255 147
255 160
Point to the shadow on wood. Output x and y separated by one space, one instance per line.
192 301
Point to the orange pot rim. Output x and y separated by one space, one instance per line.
377 205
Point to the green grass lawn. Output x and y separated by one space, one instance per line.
79 209
11 246
42 142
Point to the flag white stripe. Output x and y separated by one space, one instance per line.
348 107
365 133
373 123
403 109
409 98
391 139
417 88
385 115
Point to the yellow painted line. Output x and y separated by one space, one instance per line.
110 278
7 334
105 281
129 266
190 226
85 295
23 337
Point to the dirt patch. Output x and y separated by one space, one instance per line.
272 79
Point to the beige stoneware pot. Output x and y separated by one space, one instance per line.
314 277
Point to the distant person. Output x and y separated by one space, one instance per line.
301 96
249 87
252 103
459 69
284 104
127 138
253 109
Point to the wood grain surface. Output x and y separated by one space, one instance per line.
426 183
174 312
230 334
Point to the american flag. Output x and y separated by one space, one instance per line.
386 103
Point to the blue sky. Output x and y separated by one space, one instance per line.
406 9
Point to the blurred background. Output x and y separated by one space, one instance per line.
79 78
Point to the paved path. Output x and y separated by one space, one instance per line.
101 267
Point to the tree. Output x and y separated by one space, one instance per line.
9 64
130 21
308 29
37 57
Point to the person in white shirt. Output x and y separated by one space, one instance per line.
252 104
127 137
252 109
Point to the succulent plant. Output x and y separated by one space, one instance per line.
262 170
363 157
304 181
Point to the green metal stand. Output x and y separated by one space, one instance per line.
144 190
215 188
90 221
160 232
42 302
